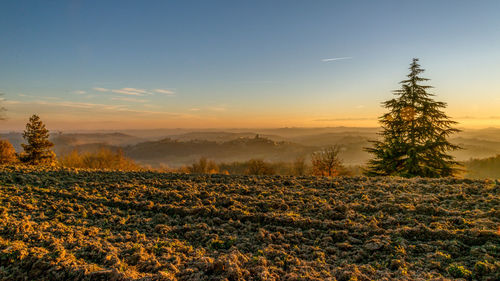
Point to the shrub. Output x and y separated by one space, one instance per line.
259 167
458 271
483 268
7 152
204 166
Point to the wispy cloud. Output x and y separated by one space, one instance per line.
70 104
10 101
217 108
122 91
152 105
135 91
257 82
129 99
101 89
80 92
126 92
164 91
93 107
343 119
335 59
39 97
83 105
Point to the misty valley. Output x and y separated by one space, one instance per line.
175 148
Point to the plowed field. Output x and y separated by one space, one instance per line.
88 225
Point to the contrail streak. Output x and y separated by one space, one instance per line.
334 59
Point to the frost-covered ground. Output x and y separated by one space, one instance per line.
73 225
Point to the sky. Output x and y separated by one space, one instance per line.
242 64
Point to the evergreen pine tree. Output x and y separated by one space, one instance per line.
38 150
414 133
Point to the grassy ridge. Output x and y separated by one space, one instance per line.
88 225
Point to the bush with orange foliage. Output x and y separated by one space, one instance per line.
7 152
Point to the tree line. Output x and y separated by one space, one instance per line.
413 142
321 163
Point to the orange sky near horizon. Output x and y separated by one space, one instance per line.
87 117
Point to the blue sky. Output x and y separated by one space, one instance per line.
137 64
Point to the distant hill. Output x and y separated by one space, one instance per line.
175 152
287 132
183 146
15 138
301 132
483 168
119 139
334 138
85 141
65 143
475 148
488 134
221 136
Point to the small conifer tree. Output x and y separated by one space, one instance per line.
414 134
38 150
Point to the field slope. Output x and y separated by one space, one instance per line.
84 225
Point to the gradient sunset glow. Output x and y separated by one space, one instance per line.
235 64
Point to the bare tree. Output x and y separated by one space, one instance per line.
327 162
